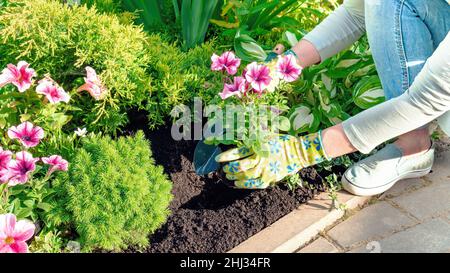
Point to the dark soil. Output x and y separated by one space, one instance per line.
207 214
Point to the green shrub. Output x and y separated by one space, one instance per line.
62 40
113 194
177 77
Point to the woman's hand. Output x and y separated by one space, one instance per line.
286 155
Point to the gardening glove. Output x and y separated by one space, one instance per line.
286 156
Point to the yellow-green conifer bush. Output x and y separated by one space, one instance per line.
62 40
113 195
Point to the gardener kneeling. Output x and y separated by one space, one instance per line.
412 55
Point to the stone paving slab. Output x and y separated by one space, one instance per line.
404 186
299 227
441 171
320 245
413 216
429 237
427 202
380 219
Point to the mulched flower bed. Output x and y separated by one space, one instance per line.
207 214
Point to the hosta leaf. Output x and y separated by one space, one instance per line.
346 63
248 49
345 69
290 38
283 124
365 70
335 120
368 92
329 85
303 119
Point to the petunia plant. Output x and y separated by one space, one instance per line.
32 117
253 100
23 98
22 193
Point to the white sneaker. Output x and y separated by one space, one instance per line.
379 172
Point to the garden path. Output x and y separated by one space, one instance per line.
413 216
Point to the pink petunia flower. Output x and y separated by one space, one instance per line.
21 76
288 69
21 167
14 234
5 158
258 76
56 162
227 61
238 88
28 134
4 176
53 92
93 84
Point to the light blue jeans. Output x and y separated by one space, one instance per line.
410 42
402 35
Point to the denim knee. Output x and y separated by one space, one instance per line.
403 34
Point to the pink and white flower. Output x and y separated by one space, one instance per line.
28 134
274 75
56 162
288 69
4 176
237 88
227 61
21 76
14 234
258 76
5 158
52 91
20 168
93 84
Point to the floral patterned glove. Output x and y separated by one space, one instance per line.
286 156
